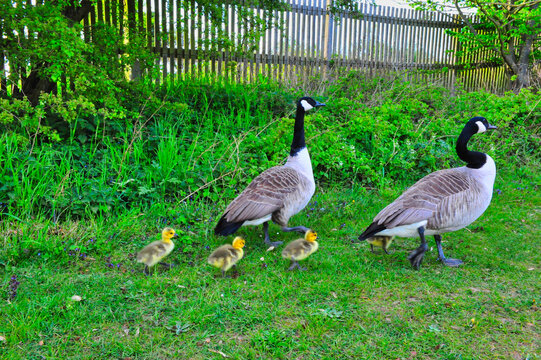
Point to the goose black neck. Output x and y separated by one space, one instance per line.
298 132
474 159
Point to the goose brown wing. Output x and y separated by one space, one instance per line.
425 198
265 194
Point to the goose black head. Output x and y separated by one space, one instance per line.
481 124
307 103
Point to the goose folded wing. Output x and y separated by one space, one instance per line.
152 251
423 200
221 253
159 250
265 194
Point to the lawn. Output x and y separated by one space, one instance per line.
349 304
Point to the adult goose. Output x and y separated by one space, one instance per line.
277 193
443 201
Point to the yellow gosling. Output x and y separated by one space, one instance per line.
154 252
300 249
227 255
383 242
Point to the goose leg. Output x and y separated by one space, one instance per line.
267 238
301 229
166 264
447 261
417 255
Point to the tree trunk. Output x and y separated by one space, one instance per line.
522 79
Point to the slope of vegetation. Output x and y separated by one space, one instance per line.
77 202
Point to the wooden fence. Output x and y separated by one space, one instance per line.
311 42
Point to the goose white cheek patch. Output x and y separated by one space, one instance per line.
306 105
481 126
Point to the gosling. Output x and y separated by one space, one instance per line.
383 242
227 255
300 249
154 252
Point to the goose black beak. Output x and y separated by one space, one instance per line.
319 104
491 127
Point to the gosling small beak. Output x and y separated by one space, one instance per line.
491 127
176 235
319 104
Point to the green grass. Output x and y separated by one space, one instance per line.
349 304
74 213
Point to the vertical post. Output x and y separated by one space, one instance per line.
327 40
3 82
136 66
164 34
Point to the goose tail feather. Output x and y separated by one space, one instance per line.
225 227
372 230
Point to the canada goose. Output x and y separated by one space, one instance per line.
227 255
443 201
151 254
383 242
277 193
300 249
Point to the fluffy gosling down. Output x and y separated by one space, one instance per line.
227 255
300 249
383 242
154 252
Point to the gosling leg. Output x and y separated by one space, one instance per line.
267 238
446 261
166 264
146 271
372 249
385 249
294 264
417 255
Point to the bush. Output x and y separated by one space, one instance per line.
203 140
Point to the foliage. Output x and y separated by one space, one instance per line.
57 77
510 31
204 140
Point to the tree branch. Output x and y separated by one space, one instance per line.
508 56
465 19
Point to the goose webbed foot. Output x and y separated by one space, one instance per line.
267 238
452 262
416 256
300 229
446 261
